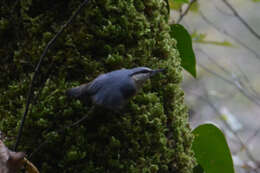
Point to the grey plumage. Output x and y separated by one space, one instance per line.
112 90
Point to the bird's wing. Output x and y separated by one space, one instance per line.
95 86
127 91
111 99
115 96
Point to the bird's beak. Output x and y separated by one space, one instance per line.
154 72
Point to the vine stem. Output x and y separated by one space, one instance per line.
36 71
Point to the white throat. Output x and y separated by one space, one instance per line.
140 79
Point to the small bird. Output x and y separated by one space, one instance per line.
112 90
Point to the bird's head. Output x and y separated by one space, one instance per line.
141 74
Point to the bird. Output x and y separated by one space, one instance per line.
112 90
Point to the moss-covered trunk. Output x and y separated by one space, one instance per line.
150 134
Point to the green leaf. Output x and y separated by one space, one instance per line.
211 150
184 46
256 0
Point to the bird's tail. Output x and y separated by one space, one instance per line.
78 92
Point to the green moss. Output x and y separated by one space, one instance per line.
150 134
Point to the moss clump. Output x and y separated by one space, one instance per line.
150 135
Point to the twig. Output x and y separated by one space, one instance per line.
234 132
248 89
213 60
220 10
186 11
229 35
237 83
241 19
247 83
253 136
30 93
207 100
234 83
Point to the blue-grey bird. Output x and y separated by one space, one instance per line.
112 90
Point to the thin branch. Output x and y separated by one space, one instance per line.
220 10
253 32
229 35
234 132
207 100
234 83
244 87
186 11
30 93
253 136
247 84
213 60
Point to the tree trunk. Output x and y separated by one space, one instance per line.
151 134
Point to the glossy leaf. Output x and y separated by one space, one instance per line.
184 46
211 150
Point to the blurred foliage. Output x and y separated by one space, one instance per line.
211 150
150 135
178 4
201 38
194 7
